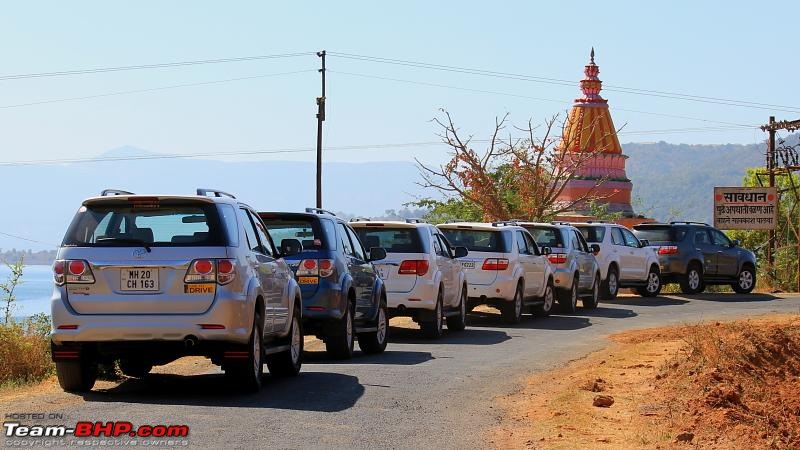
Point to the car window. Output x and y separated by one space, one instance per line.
437 246
263 235
479 240
522 246
616 236
341 237
701 237
720 238
445 245
249 232
582 245
307 230
358 250
393 240
547 236
531 244
593 234
575 243
229 218
660 234
630 239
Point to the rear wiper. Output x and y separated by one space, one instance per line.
125 241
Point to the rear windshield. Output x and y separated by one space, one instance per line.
660 234
593 235
155 224
394 240
547 236
478 240
308 230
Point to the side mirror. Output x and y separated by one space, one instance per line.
290 247
377 253
546 251
735 243
460 252
595 248
644 242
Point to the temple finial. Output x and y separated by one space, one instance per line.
591 55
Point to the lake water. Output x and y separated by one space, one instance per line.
33 294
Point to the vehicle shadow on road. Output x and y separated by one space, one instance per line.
641 301
469 336
728 297
484 319
310 391
389 357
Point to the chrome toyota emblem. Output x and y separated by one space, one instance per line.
139 253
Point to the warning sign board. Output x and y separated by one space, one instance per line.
745 208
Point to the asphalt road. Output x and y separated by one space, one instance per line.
420 393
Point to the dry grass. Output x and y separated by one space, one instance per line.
24 353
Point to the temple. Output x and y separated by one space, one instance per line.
589 135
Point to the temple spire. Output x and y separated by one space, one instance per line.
591 56
591 84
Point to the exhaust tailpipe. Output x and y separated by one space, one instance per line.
189 341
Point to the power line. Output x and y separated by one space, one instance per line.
151 66
28 239
556 81
161 88
424 83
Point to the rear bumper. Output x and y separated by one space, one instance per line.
562 278
423 296
504 288
235 313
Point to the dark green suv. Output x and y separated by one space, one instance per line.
696 255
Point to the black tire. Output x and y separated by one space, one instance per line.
375 341
653 286
247 374
592 301
746 281
512 311
288 363
76 376
546 308
692 281
459 322
611 285
568 300
134 369
340 345
432 329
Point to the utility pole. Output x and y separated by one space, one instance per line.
771 174
320 119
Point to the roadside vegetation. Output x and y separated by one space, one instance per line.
24 344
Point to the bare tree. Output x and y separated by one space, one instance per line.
515 177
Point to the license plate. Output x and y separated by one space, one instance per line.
307 280
468 264
383 272
138 279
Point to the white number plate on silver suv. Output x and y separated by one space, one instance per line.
138 279
468 264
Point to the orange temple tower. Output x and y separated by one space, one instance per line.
589 129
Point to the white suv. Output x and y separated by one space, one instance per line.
624 260
423 279
505 268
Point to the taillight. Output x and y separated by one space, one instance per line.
557 258
221 271
495 264
417 267
308 268
668 250
72 271
325 267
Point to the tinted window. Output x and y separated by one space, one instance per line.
531 244
306 230
720 238
249 232
445 245
582 245
329 231
547 236
478 240
522 246
263 235
594 235
341 235
228 214
156 224
358 251
630 239
394 240
616 236
656 234
701 237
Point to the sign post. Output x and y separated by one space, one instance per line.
745 208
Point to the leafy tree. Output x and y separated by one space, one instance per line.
7 288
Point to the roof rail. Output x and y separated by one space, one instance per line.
216 192
504 223
688 222
415 220
114 192
319 211
597 221
560 222
454 221
360 219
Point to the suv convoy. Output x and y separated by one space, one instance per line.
625 261
148 279
505 268
343 296
575 270
695 255
422 276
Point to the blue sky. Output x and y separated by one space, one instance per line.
713 49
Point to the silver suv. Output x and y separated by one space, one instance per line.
575 270
145 280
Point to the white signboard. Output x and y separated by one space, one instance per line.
745 208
